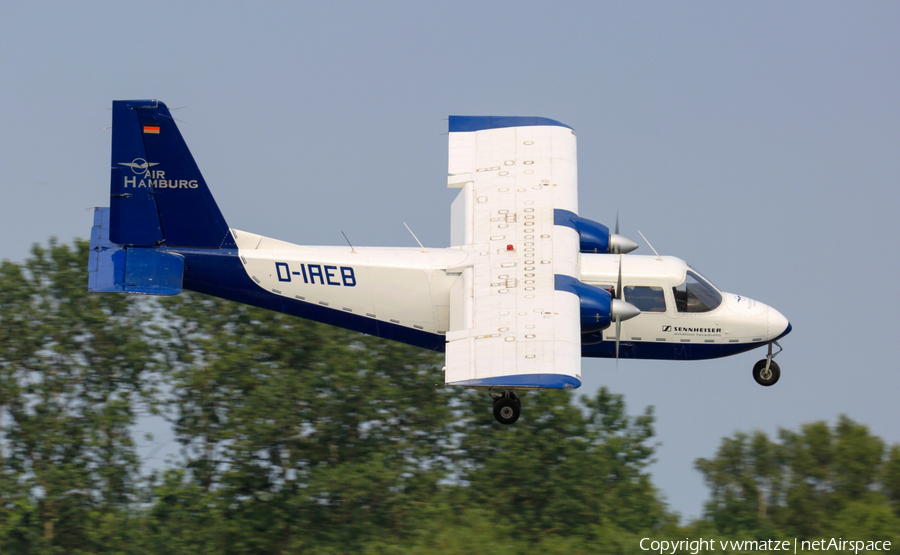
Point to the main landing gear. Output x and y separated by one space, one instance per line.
507 407
766 372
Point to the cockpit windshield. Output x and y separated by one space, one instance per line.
696 294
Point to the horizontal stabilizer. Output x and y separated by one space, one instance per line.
113 268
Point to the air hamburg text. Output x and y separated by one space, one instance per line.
156 179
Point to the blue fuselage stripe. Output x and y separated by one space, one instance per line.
654 350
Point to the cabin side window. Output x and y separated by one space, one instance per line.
696 295
645 298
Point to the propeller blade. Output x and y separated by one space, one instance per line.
618 334
619 292
621 296
617 222
620 309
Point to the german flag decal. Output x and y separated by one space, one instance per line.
151 129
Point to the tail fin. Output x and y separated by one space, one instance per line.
157 194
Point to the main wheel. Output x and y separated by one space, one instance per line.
507 410
514 398
766 378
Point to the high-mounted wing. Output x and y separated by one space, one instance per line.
514 317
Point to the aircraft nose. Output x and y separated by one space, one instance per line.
778 325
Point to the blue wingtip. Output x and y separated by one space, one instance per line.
479 123
525 381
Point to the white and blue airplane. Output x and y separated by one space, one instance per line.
526 288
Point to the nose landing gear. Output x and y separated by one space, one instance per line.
766 371
507 407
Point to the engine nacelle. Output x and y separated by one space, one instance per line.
596 303
594 237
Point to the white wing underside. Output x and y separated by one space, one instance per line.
509 326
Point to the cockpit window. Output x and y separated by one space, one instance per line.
647 299
696 295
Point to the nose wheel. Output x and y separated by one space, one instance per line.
766 371
507 407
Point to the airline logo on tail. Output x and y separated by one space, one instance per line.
139 165
155 179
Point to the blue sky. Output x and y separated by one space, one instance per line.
760 141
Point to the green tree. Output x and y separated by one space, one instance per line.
302 436
746 482
73 367
828 469
891 478
563 469
301 433
819 480
296 436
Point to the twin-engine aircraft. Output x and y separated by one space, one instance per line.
526 288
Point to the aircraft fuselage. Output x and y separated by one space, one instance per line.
404 294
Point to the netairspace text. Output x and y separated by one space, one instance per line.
711 545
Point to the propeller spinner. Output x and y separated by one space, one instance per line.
619 244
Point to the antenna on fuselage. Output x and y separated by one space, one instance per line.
658 257
352 250
416 238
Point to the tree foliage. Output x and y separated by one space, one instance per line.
817 481
74 370
565 470
300 431
299 437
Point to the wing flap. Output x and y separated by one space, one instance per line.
548 356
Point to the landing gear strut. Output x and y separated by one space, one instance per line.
507 407
766 371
